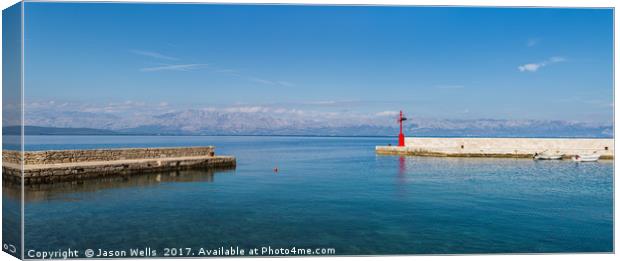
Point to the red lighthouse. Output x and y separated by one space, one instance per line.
401 136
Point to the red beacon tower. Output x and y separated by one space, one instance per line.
401 136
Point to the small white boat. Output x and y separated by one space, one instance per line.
547 156
586 157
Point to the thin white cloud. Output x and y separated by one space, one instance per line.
533 67
321 102
153 55
259 80
530 67
236 73
532 42
387 113
270 82
175 67
255 109
247 109
285 83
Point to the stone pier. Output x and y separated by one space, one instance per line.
70 165
500 147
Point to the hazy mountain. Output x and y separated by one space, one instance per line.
270 121
37 130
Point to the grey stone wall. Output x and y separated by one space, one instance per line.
74 156
11 156
68 172
44 167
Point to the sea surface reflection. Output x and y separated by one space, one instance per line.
330 193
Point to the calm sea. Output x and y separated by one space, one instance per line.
328 193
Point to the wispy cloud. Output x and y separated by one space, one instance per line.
238 74
387 113
533 67
175 67
285 83
259 80
321 102
270 82
532 42
153 55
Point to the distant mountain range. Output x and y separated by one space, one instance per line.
261 121
37 130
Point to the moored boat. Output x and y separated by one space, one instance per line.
547 156
586 157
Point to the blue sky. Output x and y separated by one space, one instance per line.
462 63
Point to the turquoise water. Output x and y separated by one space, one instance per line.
328 193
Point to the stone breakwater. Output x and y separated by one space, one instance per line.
500 147
70 165
73 156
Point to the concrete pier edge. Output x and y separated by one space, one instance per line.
70 165
499 147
